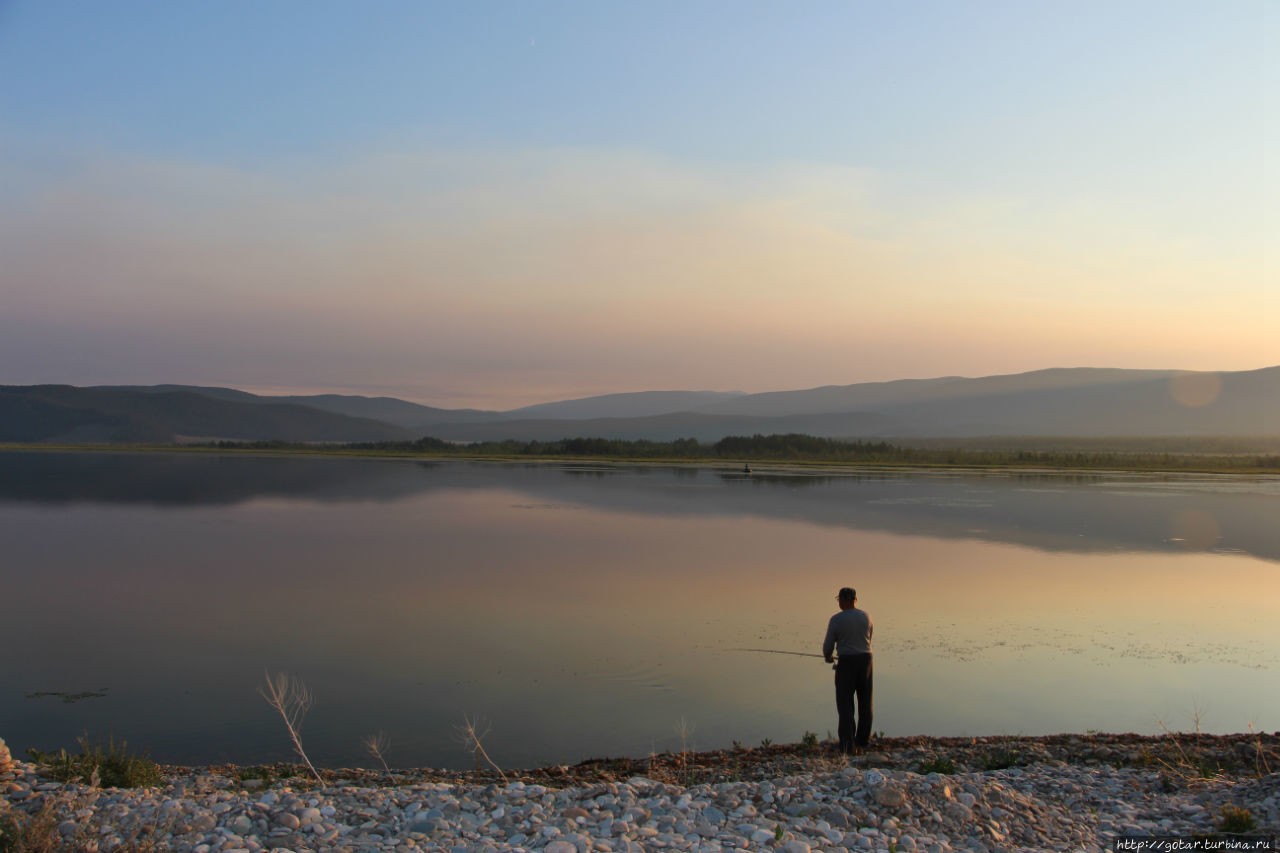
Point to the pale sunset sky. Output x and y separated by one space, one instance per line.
493 204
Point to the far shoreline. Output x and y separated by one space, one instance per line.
765 466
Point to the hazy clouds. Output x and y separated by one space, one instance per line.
496 278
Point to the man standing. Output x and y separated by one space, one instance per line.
849 633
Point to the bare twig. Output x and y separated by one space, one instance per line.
685 730
377 745
1260 763
471 737
292 699
1187 769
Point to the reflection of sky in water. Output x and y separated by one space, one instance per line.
586 614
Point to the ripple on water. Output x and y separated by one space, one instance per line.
646 677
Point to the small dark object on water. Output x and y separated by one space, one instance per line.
69 698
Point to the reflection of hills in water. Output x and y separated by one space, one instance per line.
195 479
1081 512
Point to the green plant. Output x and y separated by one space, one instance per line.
1235 820
272 773
112 767
255 774
1000 759
810 739
767 742
777 831
292 699
937 765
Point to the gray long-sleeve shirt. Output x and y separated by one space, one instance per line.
849 633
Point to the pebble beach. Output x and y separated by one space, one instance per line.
1065 792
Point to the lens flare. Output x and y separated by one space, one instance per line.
1195 389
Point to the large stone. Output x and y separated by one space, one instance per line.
890 796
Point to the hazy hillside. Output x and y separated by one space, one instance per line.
1060 402
705 428
62 413
1248 403
1080 402
881 396
386 409
635 405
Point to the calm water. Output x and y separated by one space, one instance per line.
586 610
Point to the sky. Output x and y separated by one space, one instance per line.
493 204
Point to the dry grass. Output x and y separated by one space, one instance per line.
40 832
471 736
377 745
292 699
29 833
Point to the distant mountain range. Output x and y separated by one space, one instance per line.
1083 402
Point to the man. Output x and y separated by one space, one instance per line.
849 633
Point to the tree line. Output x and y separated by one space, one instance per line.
797 447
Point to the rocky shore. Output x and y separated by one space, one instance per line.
1066 792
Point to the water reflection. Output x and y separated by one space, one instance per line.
583 610
1082 512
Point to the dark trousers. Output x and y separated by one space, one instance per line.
853 681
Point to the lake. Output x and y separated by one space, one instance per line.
583 610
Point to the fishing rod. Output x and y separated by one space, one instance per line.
778 652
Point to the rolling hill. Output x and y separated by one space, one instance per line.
1081 402
63 413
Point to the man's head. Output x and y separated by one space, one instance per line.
847 597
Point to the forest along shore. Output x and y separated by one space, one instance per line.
916 794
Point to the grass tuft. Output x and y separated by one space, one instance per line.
937 765
1235 820
1001 759
23 833
99 767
